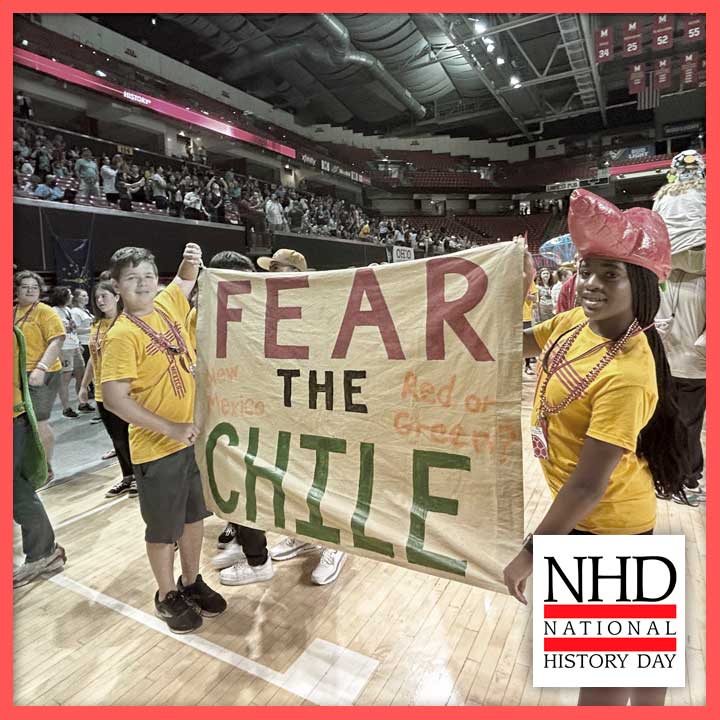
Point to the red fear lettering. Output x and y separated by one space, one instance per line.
274 313
226 288
440 311
365 284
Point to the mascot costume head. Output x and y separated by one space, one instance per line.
681 204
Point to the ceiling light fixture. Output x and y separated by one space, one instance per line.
100 73
490 47
153 21
480 26
500 60
514 81
24 43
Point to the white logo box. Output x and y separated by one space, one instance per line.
619 641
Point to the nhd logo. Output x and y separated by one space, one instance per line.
609 611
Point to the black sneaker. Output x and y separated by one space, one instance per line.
226 536
70 413
177 613
119 488
132 490
86 407
202 597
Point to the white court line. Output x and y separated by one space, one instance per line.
70 473
87 513
70 521
322 661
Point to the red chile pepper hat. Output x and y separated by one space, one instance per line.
637 236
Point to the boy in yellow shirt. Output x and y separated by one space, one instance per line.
147 380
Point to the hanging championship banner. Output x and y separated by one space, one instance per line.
663 73
73 261
632 38
695 28
375 409
663 29
636 78
604 44
689 75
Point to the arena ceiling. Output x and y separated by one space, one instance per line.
521 74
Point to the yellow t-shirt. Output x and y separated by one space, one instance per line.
39 325
528 303
191 323
614 409
98 330
18 405
128 354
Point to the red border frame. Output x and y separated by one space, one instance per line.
711 709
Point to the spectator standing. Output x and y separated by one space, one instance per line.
158 186
214 200
108 173
137 182
83 320
193 206
274 214
44 333
563 274
86 170
23 106
567 298
124 185
43 556
72 359
41 157
544 289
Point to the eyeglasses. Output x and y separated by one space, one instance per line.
29 288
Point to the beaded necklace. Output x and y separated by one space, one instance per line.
539 432
102 324
174 352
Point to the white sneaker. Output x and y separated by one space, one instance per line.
327 570
289 548
243 574
232 554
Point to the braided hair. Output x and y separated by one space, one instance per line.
663 442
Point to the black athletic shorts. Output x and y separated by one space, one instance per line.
170 495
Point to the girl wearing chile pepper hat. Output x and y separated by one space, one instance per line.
605 423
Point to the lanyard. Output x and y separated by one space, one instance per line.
25 316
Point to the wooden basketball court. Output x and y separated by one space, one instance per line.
380 635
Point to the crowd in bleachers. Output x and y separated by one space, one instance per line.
46 167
